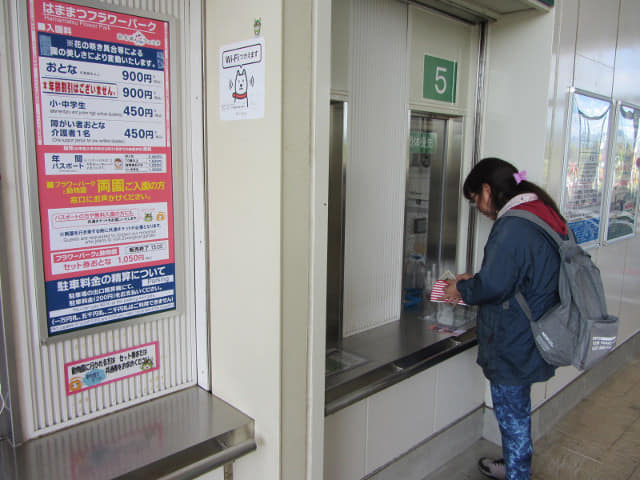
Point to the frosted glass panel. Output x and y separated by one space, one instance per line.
376 165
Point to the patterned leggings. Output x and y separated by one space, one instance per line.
512 406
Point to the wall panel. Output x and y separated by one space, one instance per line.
627 64
345 443
443 37
596 46
376 165
460 386
630 298
399 418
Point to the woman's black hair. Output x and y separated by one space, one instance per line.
498 174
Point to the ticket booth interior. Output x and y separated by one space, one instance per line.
399 146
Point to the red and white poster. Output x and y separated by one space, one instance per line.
101 105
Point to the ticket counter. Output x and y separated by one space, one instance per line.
401 138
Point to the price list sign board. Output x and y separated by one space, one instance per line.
103 149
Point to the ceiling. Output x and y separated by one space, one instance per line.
476 11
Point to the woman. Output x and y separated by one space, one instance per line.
518 256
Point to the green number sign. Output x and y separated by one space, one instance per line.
440 76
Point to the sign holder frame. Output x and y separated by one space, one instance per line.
610 179
31 183
596 241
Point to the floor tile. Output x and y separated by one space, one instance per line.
636 474
598 440
464 467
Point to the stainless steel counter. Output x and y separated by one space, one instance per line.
387 355
180 435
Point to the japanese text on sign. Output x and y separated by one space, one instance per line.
101 88
100 370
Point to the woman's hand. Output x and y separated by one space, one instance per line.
451 293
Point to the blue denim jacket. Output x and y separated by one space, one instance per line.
517 256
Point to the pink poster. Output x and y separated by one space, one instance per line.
101 105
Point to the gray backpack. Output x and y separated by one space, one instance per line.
577 331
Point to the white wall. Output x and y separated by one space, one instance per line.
268 215
244 162
627 62
518 68
517 81
368 434
595 51
578 44
438 35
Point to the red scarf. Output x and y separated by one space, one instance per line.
546 213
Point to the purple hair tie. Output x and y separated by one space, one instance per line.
520 176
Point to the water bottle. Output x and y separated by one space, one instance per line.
415 272
420 273
414 281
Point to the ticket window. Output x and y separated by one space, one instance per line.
431 209
431 204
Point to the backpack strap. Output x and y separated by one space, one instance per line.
532 217
550 232
524 305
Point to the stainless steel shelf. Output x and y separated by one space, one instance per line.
393 352
180 435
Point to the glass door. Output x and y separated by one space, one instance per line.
431 204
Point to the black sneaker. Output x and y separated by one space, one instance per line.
492 468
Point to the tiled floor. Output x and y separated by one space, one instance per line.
598 440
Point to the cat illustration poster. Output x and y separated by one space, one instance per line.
242 80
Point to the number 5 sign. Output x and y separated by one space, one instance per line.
440 77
